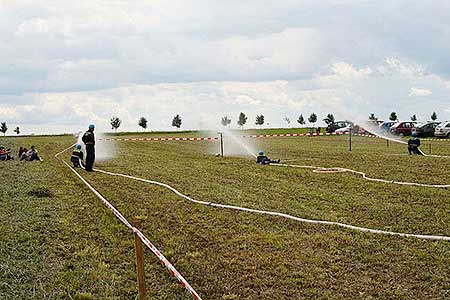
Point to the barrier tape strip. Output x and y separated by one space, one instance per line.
243 136
143 238
278 214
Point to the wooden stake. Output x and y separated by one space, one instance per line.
430 148
221 144
140 262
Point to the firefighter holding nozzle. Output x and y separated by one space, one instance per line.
414 144
89 140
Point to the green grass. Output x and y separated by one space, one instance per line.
59 241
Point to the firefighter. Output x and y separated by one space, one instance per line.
77 157
414 144
89 141
264 160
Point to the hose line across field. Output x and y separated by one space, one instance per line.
278 214
363 175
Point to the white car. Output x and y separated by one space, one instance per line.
342 130
442 130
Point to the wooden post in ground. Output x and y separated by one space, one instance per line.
387 143
139 262
221 144
350 139
429 146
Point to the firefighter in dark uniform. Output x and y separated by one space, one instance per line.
89 141
77 157
414 144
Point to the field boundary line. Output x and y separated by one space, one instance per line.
143 238
154 139
278 214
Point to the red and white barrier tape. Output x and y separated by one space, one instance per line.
164 139
143 238
152 139
283 215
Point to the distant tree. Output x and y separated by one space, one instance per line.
176 122
143 122
3 128
434 116
329 119
17 130
372 117
301 120
115 123
413 118
393 116
312 119
242 120
259 120
225 121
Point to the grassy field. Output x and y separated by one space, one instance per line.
58 241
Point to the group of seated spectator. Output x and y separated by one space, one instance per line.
23 154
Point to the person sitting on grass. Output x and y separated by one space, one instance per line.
5 154
30 155
22 150
264 160
414 144
77 157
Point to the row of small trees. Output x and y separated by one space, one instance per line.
115 122
393 117
4 128
260 119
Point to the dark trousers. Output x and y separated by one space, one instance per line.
90 157
414 150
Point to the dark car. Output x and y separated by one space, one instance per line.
403 128
336 125
426 129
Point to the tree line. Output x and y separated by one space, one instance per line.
260 120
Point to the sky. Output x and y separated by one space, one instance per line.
65 64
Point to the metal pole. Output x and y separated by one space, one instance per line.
140 262
221 144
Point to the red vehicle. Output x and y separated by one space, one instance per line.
403 128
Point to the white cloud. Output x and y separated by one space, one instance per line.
417 92
87 60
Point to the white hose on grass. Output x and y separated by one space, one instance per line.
278 214
337 170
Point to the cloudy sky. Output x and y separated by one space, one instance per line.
64 64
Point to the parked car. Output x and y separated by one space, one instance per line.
336 125
386 125
443 130
426 129
403 128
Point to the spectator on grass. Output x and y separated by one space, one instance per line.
5 154
22 150
30 155
264 160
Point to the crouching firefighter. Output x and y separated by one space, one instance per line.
89 140
77 157
264 160
414 144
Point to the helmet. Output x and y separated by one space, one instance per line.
91 126
414 134
78 146
261 152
